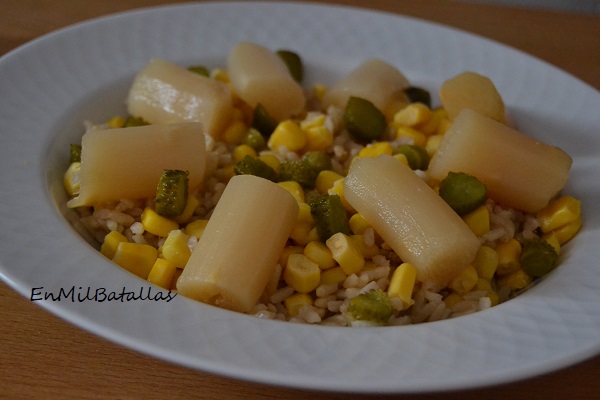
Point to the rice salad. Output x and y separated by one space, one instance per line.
355 204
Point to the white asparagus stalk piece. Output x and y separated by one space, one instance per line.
258 75
412 219
518 170
241 244
126 163
374 80
164 93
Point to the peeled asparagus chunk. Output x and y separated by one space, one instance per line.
241 244
126 163
374 80
518 170
412 219
164 93
474 91
258 75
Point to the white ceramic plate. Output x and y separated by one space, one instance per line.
49 86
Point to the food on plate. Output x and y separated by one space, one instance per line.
362 203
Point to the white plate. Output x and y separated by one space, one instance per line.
49 86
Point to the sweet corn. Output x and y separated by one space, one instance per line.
287 251
358 224
430 127
116 122
136 258
235 132
295 302
403 283
229 171
478 220
294 188
417 137
553 240
368 251
162 273
188 211
318 138
287 134
432 144
331 276
271 160
313 120
484 284
319 90
402 158
111 242
465 281
304 214
559 213
443 126
242 151
301 233
376 149
346 253
157 224
338 188
515 280
566 232
219 75
195 228
319 253
301 274
508 257
412 115
452 299
71 180
486 262
175 248
325 180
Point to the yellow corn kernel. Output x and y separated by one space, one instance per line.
287 251
116 122
295 302
358 224
287 134
319 90
508 257
465 281
242 151
412 115
301 233
319 253
294 188
338 188
188 211
313 120
346 253
432 144
157 224
478 220
553 240
376 149
111 242
452 299
331 276
229 171
484 284
318 138
195 228
136 258
559 213
271 160
418 137
403 283
71 179
430 126
219 75
368 251
325 180
402 158
301 274
235 132
443 126
175 249
566 232
515 280
162 273
486 262
304 214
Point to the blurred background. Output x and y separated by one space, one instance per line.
576 6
